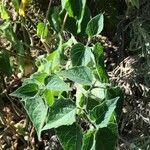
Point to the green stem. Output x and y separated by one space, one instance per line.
88 42
89 119
48 10
64 21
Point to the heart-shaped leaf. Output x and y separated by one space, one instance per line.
95 25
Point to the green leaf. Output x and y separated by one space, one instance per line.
68 25
63 112
81 75
9 34
101 72
80 55
86 19
111 105
16 4
81 16
88 140
71 6
49 97
56 84
99 58
70 137
102 113
99 90
4 26
3 12
99 54
55 58
44 65
26 91
5 68
31 81
112 93
91 103
37 111
135 3
42 30
39 76
79 99
21 54
105 138
55 19
95 25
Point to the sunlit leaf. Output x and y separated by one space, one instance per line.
102 113
56 84
42 30
3 12
113 92
88 140
71 6
81 75
63 112
95 25
49 97
99 58
55 18
99 90
37 111
16 4
80 55
39 76
22 7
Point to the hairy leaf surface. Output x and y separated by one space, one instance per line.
56 84
26 91
63 112
37 111
102 113
95 25
80 74
80 55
